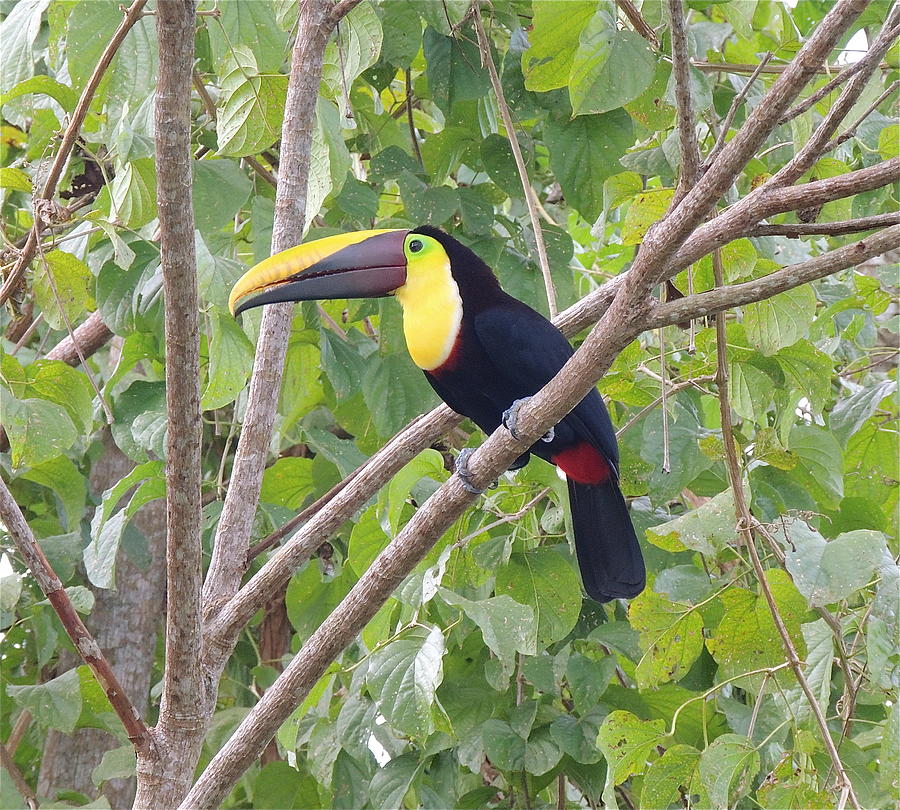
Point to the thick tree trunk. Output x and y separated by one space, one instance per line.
125 623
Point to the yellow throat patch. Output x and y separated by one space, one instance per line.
432 307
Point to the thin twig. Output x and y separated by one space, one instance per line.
823 91
84 642
409 119
692 383
663 398
740 67
18 731
736 103
488 61
851 130
745 521
15 774
641 26
795 231
68 142
501 521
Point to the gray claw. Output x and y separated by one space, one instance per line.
511 416
462 470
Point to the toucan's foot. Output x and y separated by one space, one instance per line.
511 417
462 470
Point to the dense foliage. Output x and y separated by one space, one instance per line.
487 680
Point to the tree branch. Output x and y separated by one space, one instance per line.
722 298
315 23
851 130
641 26
15 774
84 642
732 111
817 144
133 14
796 231
89 337
668 235
823 91
687 131
183 697
530 196
744 215
744 521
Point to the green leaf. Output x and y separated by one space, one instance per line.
395 391
820 459
140 414
230 361
577 737
38 430
507 627
709 528
54 704
354 51
117 763
288 482
808 370
250 106
503 746
627 742
584 152
133 193
780 321
645 209
727 769
746 638
100 553
71 278
220 189
250 24
751 391
671 638
611 67
429 463
541 751
889 143
15 179
391 783
889 756
19 31
62 384
69 485
673 775
404 34
554 41
826 572
850 413
454 70
545 580
281 787
403 678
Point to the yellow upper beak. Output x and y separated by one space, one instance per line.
323 258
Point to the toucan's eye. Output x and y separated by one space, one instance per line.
415 246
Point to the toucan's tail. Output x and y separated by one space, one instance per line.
608 552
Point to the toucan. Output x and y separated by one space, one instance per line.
484 352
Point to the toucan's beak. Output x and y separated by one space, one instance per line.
364 264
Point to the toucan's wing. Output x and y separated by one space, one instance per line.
528 351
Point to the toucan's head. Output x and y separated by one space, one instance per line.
364 264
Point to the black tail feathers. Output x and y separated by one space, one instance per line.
609 556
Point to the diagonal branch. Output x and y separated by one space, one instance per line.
132 15
530 196
316 21
745 521
823 91
848 133
84 642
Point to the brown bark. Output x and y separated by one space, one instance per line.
124 622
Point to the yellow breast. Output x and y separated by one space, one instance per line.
432 311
